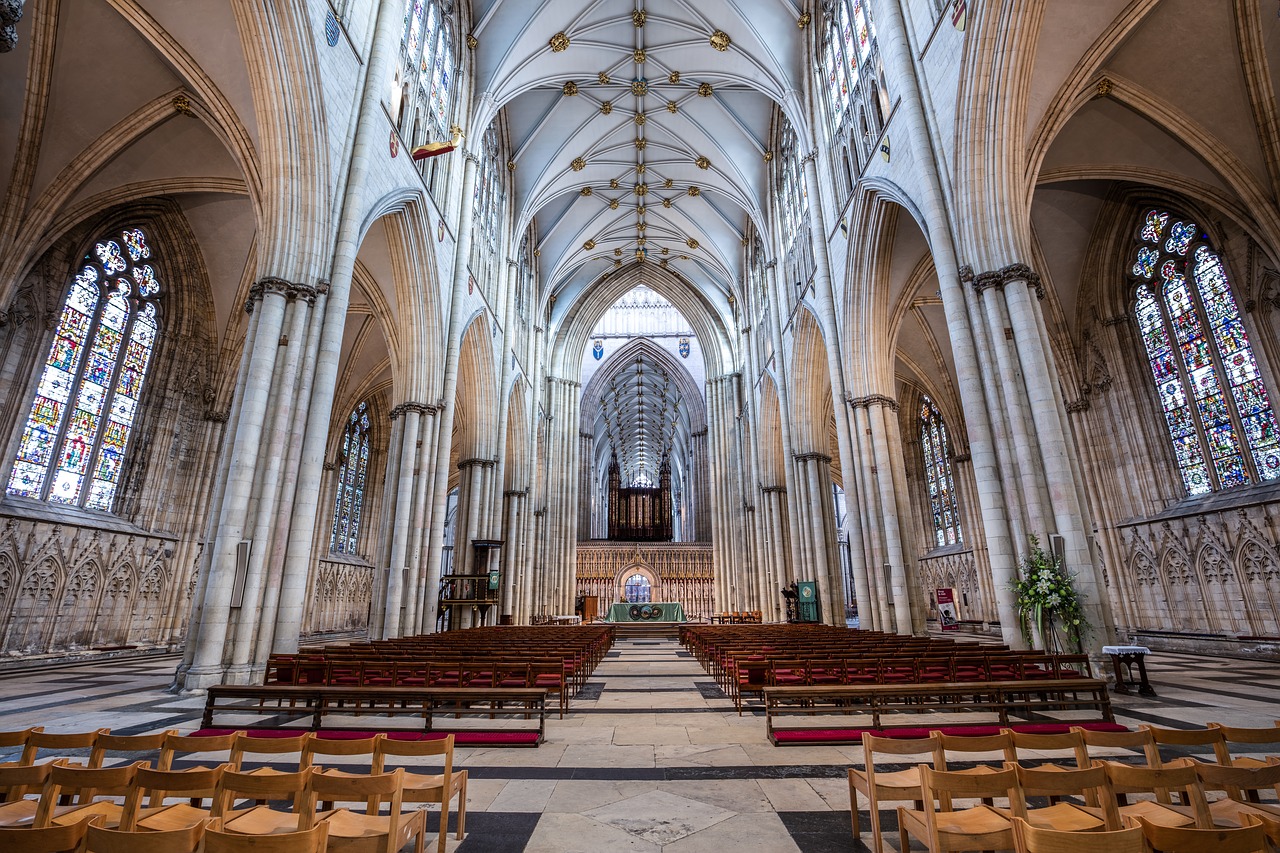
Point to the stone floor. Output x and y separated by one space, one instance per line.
652 756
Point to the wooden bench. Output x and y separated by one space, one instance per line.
1003 698
428 703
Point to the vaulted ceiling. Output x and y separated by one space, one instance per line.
638 128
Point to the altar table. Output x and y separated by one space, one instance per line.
658 611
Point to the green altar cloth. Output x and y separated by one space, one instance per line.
658 611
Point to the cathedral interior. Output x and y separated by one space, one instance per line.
313 312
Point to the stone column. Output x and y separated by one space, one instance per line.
401 511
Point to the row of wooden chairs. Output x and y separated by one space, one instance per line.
244 756
208 836
1078 750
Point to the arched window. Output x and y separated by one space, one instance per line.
851 58
425 71
74 441
937 475
793 197
352 475
637 589
1215 403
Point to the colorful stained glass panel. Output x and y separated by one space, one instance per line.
1153 226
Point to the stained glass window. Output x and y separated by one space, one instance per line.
938 477
425 71
849 56
1215 403
73 444
352 476
793 195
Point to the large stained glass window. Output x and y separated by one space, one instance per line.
1215 403
74 441
352 476
793 195
937 475
425 71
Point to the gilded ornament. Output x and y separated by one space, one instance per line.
638 17
694 191
606 107
578 164
1104 87
684 257
640 87
692 243
640 167
603 78
640 210
666 202
640 143
472 42
571 88
617 263
613 204
511 165
639 55
804 20
618 252
720 40
589 245
668 183
662 262
702 163
665 250
537 253
182 106
613 183
559 42
641 118
640 226
587 191
642 189
674 78
671 106
768 155
640 241
705 90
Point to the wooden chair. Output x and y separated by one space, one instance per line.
1239 783
1090 785
370 831
942 828
247 745
880 787
1194 811
429 788
1270 737
87 787
184 745
326 747
1071 744
193 786
1029 839
1174 839
8 740
313 840
105 744
99 839
1002 744
18 781
1138 741
47 839
61 742
261 819
1209 737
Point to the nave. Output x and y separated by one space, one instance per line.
652 755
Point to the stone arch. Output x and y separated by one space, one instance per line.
1224 596
516 471
34 610
637 567
111 622
810 386
773 459
79 606
1259 574
145 624
1185 591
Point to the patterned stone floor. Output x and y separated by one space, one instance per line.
652 756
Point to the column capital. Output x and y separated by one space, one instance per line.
772 490
999 278
283 287
812 457
410 406
483 463
701 433
872 400
515 493
961 458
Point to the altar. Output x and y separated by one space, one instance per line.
658 611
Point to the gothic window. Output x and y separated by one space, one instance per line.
425 72
352 477
937 475
75 438
793 197
1215 403
851 60
637 589
487 196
